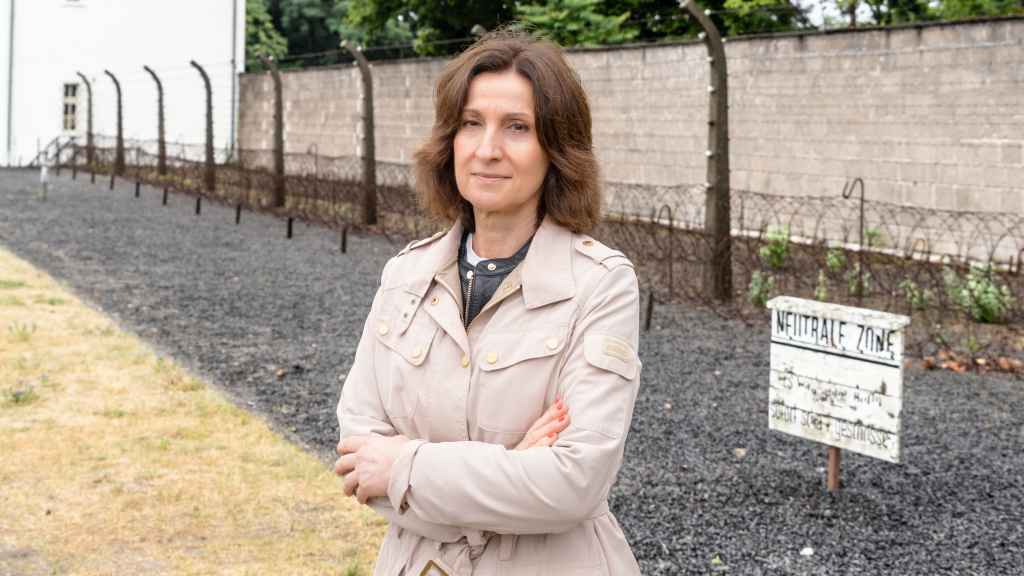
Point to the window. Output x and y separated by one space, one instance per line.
70 107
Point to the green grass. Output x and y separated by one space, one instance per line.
48 300
11 284
22 396
21 332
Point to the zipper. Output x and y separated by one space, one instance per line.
469 292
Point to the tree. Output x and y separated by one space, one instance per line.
656 19
261 38
438 26
959 9
763 16
576 23
887 12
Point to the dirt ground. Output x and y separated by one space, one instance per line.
117 461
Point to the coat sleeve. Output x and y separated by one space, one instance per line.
487 487
361 412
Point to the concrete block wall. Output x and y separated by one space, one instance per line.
930 116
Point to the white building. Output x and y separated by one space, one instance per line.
45 43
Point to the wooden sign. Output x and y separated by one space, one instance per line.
837 375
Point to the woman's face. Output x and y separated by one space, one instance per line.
499 163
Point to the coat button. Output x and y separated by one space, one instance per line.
551 343
382 329
588 242
433 301
492 357
491 266
465 361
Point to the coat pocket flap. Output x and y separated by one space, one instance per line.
412 344
611 353
504 350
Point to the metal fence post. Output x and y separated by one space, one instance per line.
89 143
209 174
119 151
369 150
161 142
277 194
718 267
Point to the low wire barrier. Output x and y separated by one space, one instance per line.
957 274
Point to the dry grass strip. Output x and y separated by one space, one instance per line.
114 460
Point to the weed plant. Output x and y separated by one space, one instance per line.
979 295
21 332
917 298
20 396
774 253
762 287
835 260
821 290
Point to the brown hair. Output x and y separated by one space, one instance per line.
571 193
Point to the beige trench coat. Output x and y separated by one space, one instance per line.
461 501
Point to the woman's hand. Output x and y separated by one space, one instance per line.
545 430
366 463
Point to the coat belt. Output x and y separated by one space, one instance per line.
456 558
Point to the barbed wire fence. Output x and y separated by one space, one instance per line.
957 273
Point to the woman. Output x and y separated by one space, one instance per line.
492 390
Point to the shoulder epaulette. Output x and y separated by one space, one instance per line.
598 252
421 242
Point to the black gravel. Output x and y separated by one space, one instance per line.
274 323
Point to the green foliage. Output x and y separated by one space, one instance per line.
888 12
873 238
48 300
980 295
281 28
858 284
821 289
885 12
657 19
764 16
320 25
21 332
917 299
261 37
20 396
835 260
960 9
576 22
774 253
429 42
433 23
11 284
761 289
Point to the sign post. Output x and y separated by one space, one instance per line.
837 378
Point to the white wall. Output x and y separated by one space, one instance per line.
56 38
5 29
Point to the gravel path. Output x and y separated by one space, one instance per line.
241 304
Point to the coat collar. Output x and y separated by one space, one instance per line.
546 272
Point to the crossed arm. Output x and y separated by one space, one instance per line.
543 490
